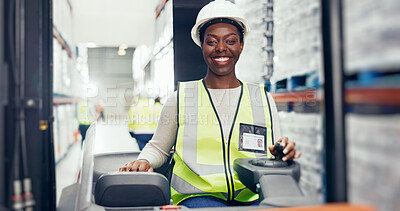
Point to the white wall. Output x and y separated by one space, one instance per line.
112 23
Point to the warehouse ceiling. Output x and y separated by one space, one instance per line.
109 23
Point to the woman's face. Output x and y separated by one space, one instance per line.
221 48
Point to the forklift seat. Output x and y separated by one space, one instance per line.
132 189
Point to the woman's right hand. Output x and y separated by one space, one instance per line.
137 165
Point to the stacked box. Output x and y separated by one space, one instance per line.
68 80
57 61
62 19
254 58
372 154
64 126
371 30
162 62
56 134
306 131
372 60
62 146
297 39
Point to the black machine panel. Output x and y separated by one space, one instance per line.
132 189
274 180
250 170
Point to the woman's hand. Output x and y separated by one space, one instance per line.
137 165
289 150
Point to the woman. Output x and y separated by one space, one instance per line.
217 120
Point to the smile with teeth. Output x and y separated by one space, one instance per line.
221 59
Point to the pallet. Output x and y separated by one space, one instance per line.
297 83
299 107
373 79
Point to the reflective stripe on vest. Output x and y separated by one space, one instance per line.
203 162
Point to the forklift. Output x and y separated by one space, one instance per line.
27 166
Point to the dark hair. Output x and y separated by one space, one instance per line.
220 20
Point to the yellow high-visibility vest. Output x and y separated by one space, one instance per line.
143 117
203 159
85 115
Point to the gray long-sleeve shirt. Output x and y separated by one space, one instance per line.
225 102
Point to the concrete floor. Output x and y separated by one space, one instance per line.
67 169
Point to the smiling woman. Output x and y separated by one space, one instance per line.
221 50
203 120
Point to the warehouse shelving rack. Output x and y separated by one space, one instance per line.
330 96
57 35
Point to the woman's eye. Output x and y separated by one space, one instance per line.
231 42
211 42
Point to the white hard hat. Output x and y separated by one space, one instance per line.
218 9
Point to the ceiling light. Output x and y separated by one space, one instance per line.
121 52
90 45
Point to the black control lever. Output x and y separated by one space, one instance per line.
277 162
279 148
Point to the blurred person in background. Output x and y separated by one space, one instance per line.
86 115
204 119
143 118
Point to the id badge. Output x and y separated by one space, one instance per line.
252 138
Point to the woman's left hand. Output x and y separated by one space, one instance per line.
289 150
